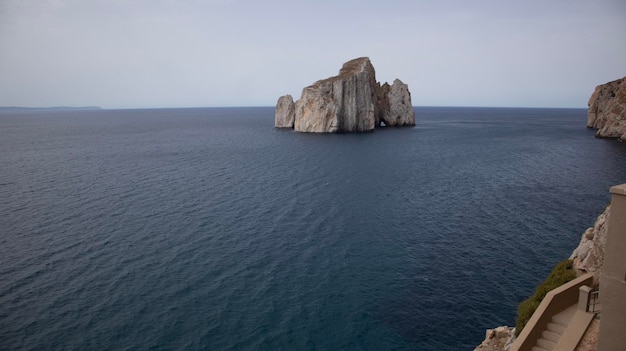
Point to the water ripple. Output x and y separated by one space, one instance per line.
209 229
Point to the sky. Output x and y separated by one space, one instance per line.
204 53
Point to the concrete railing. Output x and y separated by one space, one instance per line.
554 302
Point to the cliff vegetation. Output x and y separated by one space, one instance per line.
561 274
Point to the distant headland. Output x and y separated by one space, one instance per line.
352 101
52 108
607 110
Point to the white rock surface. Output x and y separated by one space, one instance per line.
607 110
285 112
400 112
352 101
589 255
498 339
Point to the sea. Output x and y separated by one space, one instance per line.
209 229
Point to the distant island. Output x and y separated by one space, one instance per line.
52 108
352 101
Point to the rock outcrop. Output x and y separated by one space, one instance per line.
589 255
285 112
352 101
498 339
607 110
397 110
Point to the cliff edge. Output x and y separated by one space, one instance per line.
607 110
352 101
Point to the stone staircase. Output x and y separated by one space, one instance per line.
561 319
555 329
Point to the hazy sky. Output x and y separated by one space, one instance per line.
166 53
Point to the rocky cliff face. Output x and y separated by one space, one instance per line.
607 110
589 255
498 339
352 101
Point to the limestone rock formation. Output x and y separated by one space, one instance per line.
607 110
589 255
285 112
498 339
344 103
352 101
400 111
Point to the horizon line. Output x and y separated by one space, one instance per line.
96 108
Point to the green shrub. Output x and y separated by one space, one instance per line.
561 274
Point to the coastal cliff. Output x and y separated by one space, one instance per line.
607 110
352 101
589 255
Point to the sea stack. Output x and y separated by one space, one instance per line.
607 110
352 101
285 112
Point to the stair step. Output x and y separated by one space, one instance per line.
546 344
564 317
558 329
551 336
538 348
560 321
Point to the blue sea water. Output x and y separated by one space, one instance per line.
209 229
